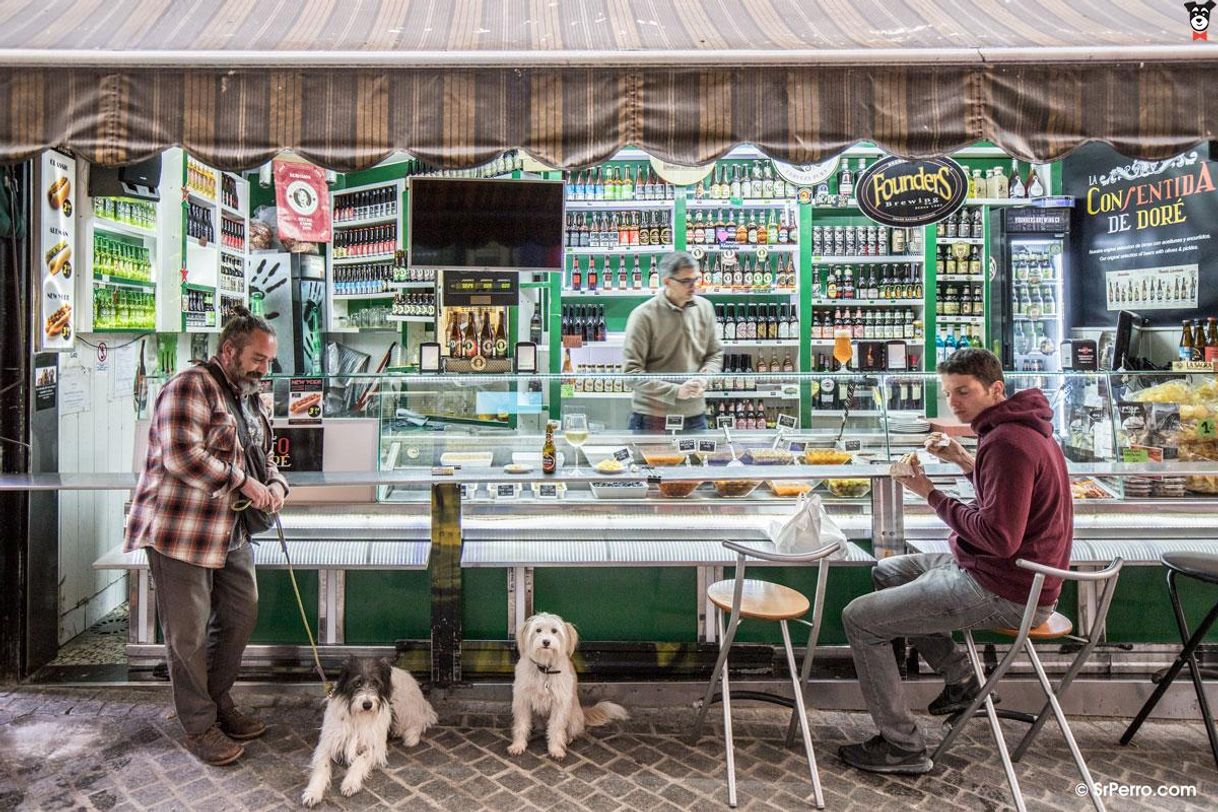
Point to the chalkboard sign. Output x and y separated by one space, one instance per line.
687 446
480 288
1142 236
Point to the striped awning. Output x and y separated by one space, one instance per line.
456 82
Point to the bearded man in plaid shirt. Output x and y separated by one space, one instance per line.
199 553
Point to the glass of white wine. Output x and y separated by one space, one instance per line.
575 432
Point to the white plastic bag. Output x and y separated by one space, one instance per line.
808 528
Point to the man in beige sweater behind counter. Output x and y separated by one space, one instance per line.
673 332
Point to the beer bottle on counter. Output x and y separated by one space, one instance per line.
534 326
1186 341
549 455
454 333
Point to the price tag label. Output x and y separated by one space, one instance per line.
505 490
469 490
796 446
708 446
1135 455
787 421
674 422
547 491
1206 428
853 445
726 421
687 446
443 470
622 454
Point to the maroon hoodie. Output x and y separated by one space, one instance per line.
1024 507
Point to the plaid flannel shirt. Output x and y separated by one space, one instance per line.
182 506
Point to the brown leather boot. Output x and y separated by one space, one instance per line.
239 727
213 747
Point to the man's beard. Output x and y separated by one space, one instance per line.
245 384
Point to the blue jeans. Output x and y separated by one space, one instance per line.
925 598
653 424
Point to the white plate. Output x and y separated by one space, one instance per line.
596 453
474 459
517 468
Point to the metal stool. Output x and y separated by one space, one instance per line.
762 600
1056 627
1203 567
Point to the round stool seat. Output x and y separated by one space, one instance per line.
1058 625
1202 566
761 600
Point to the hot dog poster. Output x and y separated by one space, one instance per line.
56 251
304 400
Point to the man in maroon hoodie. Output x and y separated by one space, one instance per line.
1023 510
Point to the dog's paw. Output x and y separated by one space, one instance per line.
349 788
557 753
411 738
311 797
516 748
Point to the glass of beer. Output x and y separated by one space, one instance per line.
575 432
842 350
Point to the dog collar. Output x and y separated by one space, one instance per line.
543 669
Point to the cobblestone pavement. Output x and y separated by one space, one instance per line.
117 749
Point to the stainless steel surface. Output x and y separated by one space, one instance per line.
507 552
887 518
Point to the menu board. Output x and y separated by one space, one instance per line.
56 251
1144 237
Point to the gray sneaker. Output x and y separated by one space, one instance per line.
878 755
213 747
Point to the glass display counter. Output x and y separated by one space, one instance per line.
458 474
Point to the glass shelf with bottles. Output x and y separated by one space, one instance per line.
377 205
117 259
121 307
733 180
469 333
232 275
756 324
200 181
633 181
866 243
882 284
413 307
770 275
873 324
754 229
125 216
626 230
366 244
636 277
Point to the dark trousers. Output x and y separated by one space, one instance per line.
207 616
654 424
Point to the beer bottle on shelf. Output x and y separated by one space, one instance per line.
1186 341
1211 342
549 454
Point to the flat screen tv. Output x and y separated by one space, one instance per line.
467 223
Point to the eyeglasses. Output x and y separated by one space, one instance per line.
688 282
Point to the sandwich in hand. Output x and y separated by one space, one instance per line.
907 466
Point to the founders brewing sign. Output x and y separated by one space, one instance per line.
1144 235
902 194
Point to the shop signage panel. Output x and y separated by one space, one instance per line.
1038 221
303 201
808 174
305 396
481 288
56 251
1144 235
298 449
679 175
898 193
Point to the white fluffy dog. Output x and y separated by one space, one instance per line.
546 684
371 702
